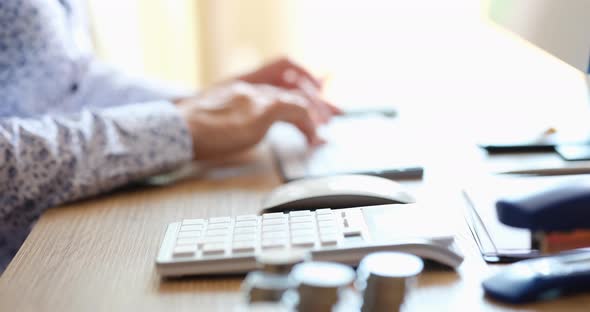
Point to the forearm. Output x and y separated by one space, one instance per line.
52 160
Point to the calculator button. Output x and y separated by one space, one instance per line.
298 226
187 241
303 241
243 247
244 237
351 231
325 224
243 230
217 226
302 219
189 234
185 251
274 228
273 215
329 240
279 234
217 232
300 213
214 239
193 221
274 221
247 218
323 211
328 230
213 249
325 217
274 243
196 227
245 223
305 232
220 220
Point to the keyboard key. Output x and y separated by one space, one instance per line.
298 226
273 215
325 217
185 251
302 219
274 221
218 232
193 221
213 249
247 218
195 227
323 211
303 241
243 230
241 247
187 241
218 226
274 228
189 234
244 237
300 213
245 223
220 220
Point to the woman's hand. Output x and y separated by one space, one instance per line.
285 74
232 117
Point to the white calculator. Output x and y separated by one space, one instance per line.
228 245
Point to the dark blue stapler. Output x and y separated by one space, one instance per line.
558 218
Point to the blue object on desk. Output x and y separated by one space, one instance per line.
561 208
542 278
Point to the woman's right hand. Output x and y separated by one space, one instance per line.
233 117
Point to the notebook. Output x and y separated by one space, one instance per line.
498 242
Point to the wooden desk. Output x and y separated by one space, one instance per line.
98 255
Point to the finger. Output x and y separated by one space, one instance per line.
295 97
297 115
290 68
300 99
333 108
326 109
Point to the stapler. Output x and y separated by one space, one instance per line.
558 217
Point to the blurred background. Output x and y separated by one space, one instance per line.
437 58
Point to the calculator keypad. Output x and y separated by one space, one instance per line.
249 234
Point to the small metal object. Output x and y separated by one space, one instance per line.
281 261
269 284
265 287
385 277
320 284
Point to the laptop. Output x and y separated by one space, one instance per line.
356 144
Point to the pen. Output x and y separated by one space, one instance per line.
549 171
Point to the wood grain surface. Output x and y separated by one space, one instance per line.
98 255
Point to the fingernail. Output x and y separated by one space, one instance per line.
318 141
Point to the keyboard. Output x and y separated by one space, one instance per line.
369 144
228 245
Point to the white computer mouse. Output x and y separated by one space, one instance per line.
338 191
